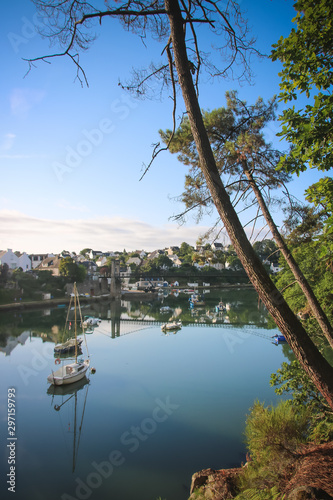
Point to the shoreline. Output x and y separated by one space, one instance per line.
125 295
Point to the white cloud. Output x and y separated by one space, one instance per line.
32 235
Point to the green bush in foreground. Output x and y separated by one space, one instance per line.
273 435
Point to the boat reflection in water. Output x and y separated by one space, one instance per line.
64 396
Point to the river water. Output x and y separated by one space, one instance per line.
159 407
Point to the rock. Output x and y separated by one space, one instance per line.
308 493
214 484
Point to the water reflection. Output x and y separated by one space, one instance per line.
211 370
240 307
69 396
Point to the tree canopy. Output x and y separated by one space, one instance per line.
236 132
307 58
69 268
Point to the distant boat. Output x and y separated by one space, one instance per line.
174 325
165 309
196 301
279 338
68 346
71 372
91 321
220 307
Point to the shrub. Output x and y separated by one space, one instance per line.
273 435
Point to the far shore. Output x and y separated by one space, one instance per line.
125 294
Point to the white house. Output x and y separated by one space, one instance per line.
94 253
101 261
216 246
15 260
218 265
177 262
37 258
134 260
172 251
274 267
24 262
8 257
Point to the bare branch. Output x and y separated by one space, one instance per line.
174 97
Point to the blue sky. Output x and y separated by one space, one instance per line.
71 157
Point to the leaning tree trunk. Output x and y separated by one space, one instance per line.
300 278
315 365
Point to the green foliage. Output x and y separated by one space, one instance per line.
292 379
234 262
265 247
8 296
273 435
321 194
3 274
302 224
185 252
306 55
73 271
85 251
275 432
236 134
308 253
163 262
260 494
198 494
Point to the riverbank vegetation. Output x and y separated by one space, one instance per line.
278 439
19 286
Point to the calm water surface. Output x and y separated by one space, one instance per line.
159 407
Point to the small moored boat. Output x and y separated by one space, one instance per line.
279 338
173 325
68 374
68 346
91 321
166 309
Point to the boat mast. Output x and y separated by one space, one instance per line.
75 329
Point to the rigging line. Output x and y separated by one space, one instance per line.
63 432
81 423
67 317
107 334
248 332
84 335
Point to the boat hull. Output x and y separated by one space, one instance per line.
171 326
68 374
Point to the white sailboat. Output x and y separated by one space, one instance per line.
71 372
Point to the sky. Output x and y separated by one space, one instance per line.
71 156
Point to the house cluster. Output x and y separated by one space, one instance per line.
93 261
14 260
96 262
45 261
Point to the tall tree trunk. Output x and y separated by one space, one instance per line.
315 365
300 278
